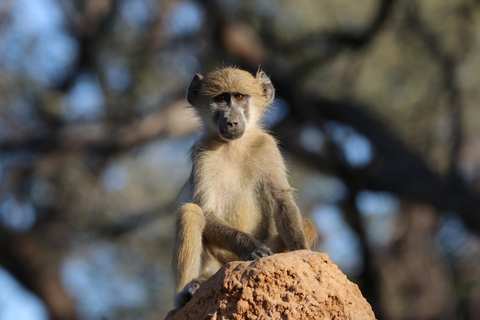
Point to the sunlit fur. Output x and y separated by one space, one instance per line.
237 185
232 80
236 81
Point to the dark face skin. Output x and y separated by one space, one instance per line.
231 115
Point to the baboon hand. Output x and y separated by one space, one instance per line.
259 252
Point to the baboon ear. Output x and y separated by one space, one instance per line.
194 88
268 90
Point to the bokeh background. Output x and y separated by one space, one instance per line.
377 112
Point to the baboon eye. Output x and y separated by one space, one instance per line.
239 97
222 98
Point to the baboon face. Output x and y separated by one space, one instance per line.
231 114
230 100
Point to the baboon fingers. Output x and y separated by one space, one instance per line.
258 253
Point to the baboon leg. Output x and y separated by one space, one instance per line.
210 264
187 260
277 245
311 232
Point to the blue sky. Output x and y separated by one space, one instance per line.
17 303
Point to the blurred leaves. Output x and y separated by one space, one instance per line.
376 111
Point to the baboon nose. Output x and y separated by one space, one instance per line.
232 124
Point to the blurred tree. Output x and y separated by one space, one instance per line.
376 110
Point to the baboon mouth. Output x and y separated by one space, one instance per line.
232 135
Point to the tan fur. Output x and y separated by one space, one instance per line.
311 232
190 222
237 199
233 80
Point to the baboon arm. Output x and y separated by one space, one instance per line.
219 234
289 223
188 244
288 220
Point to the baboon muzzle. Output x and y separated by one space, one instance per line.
231 124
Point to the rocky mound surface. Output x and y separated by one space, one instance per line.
294 285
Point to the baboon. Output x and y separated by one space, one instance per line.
237 203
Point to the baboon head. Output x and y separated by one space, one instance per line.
230 101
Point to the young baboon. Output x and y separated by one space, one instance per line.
237 203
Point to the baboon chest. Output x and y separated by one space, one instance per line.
233 189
